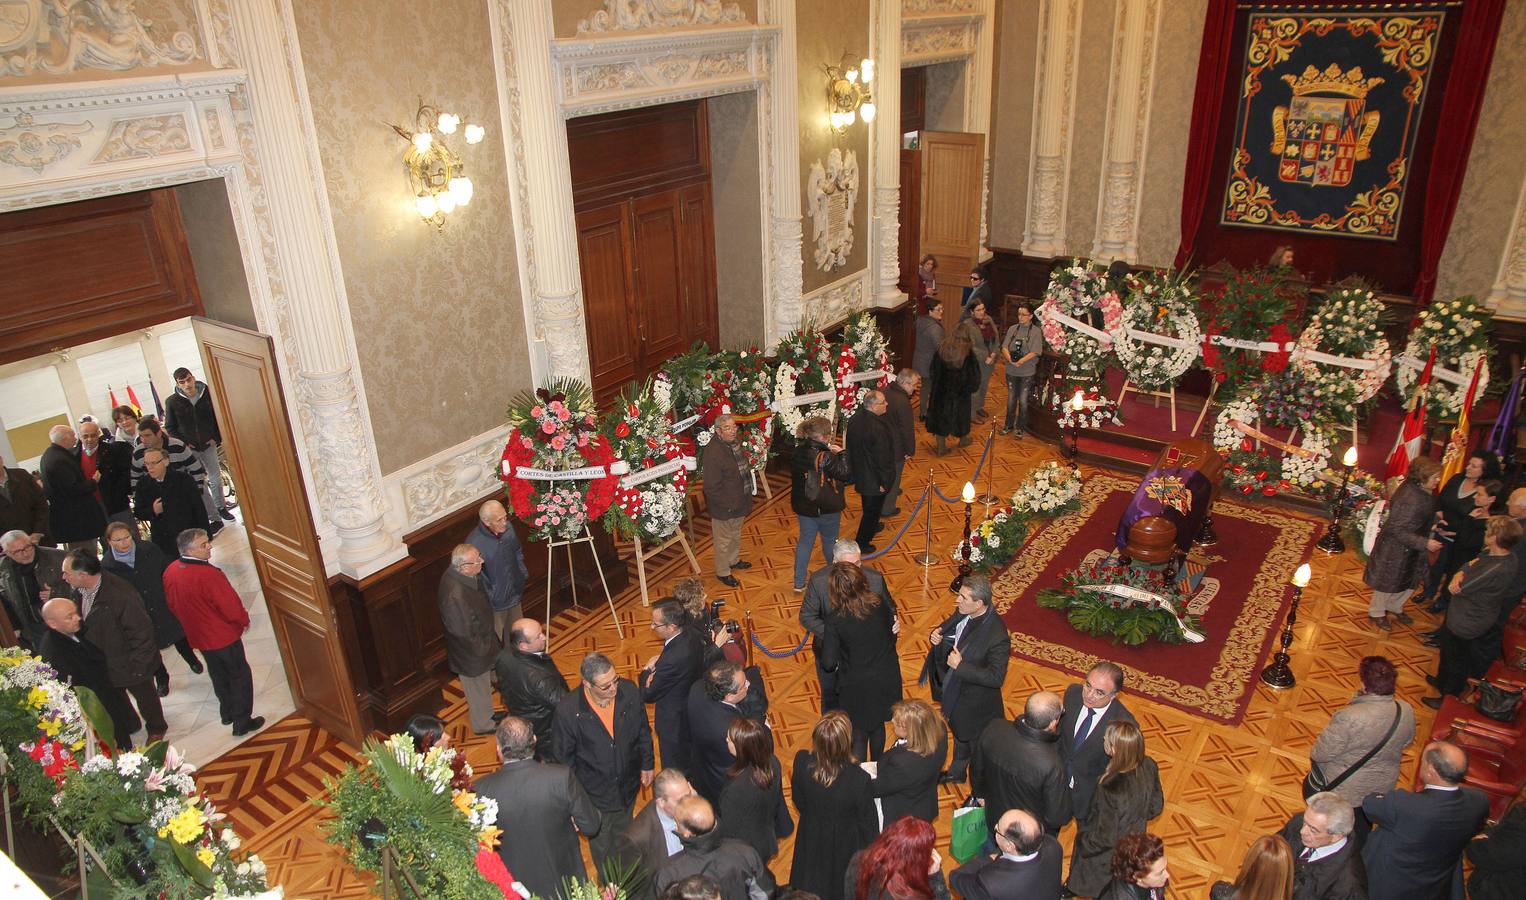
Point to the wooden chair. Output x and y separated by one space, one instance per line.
1459 722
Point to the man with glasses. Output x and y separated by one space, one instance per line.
471 647
666 678
29 576
967 664
1089 708
113 460
600 731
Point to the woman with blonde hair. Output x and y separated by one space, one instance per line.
953 377
1128 796
836 809
1266 873
860 646
906 776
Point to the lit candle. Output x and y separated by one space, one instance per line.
1349 459
1301 577
969 493
1078 401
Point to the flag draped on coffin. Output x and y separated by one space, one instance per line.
1456 455
1407 447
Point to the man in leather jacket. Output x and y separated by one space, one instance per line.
528 680
1017 765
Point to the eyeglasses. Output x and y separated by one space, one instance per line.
607 686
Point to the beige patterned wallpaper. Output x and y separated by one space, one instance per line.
567 14
1012 121
1496 167
1089 131
824 30
84 45
1176 55
437 316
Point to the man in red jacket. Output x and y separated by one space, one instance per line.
204 601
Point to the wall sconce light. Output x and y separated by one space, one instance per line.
436 175
848 93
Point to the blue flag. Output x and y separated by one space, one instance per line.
1502 435
158 406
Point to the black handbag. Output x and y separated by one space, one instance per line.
1496 702
1314 782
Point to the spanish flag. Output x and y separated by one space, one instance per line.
1456 455
132 400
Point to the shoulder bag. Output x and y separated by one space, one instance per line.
1314 782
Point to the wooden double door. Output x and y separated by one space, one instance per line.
648 266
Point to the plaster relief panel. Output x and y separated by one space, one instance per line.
640 15
145 138
831 198
57 38
28 145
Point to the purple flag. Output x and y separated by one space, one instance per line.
158 406
1502 435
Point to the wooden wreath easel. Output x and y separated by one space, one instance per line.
587 538
1171 394
1212 392
643 555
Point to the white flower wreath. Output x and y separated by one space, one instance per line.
1368 381
1446 397
1225 436
1458 330
1146 363
1305 470
790 416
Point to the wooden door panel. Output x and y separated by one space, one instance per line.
259 446
911 220
603 259
659 283
697 246
952 165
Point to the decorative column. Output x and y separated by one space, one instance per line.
76 395
1509 294
1128 124
153 357
1054 92
979 72
543 208
885 248
785 225
311 316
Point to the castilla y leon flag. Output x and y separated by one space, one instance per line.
1457 448
1407 447
111 392
132 400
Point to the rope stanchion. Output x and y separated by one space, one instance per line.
904 525
774 654
990 439
926 557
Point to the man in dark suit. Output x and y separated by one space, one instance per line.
22 505
29 575
170 501
113 460
471 647
529 681
75 518
539 804
733 865
813 611
1089 708
117 623
871 451
667 677
1415 850
713 704
83 665
1016 765
903 430
1327 863
967 665
1027 865
600 731
652 837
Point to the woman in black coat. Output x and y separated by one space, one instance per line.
142 564
1454 501
1499 858
836 809
1139 869
860 645
751 807
1128 796
952 380
1467 536
906 777
1398 555
819 515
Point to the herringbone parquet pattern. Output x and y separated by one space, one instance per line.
1224 785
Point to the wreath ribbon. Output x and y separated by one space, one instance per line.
760 415
1137 596
1349 362
1444 374
872 375
1265 438
798 400
1150 337
1085 328
684 425
1258 346
667 468
584 473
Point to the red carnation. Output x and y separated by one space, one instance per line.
1270 490
1246 488
1246 445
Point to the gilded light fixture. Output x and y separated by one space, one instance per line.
848 93
436 175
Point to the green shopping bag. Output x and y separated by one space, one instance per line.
969 832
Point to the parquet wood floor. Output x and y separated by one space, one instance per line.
1224 785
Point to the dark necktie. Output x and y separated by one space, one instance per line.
1304 855
1083 731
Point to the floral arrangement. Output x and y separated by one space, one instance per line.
1074 291
685 381
42 718
750 391
1097 409
403 799
1302 470
995 540
641 435
1049 490
1348 323
555 429
805 367
1158 611
863 349
1458 330
1163 304
1251 306
1296 398
1362 488
1252 470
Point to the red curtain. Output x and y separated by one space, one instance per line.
1477 31
1207 102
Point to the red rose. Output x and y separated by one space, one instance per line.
1270 490
1246 445
622 430
1261 476
1246 488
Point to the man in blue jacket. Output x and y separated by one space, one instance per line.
503 564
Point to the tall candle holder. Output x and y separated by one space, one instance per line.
1332 542
1278 674
990 496
968 496
1077 403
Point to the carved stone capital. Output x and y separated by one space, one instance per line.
1509 294
442 483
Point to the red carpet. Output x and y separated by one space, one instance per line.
1259 548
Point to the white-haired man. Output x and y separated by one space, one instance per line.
503 564
470 645
75 516
1327 862
813 610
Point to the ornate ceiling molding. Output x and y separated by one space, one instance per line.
597 75
938 38
38 38
643 15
